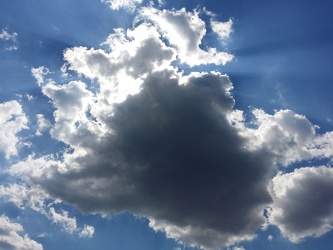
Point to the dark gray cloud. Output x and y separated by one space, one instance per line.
183 156
172 156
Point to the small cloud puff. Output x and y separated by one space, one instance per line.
122 4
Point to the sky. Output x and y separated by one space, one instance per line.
170 125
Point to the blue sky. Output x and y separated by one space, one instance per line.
141 124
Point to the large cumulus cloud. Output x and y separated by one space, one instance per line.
152 140
171 155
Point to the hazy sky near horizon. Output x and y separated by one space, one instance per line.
134 124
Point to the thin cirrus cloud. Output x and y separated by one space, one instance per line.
151 140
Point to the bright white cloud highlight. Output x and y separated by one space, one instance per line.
22 196
222 29
12 121
185 31
287 136
11 236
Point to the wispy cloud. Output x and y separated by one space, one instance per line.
9 39
122 4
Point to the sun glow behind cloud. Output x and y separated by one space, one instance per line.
145 137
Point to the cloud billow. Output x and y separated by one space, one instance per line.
185 158
172 156
164 145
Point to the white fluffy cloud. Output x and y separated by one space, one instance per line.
22 196
302 202
185 31
12 121
134 53
222 29
287 136
12 238
67 223
42 124
87 231
39 74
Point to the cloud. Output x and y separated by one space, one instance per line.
134 54
222 29
119 4
67 223
10 236
71 102
170 155
302 202
38 200
287 136
23 197
185 31
10 40
12 121
87 231
238 248
4 35
42 124
147 138
40 73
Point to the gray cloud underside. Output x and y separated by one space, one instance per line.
172 156
303 201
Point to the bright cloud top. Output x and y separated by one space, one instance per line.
143 136
11 236
12 121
